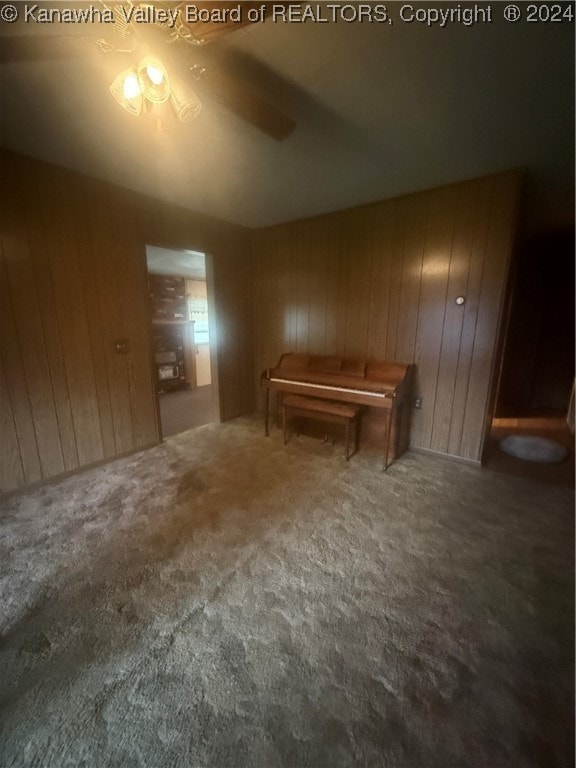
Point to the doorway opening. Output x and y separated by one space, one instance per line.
537 370
182 338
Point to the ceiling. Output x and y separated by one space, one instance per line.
165 261
381 110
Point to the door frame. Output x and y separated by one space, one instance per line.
212 326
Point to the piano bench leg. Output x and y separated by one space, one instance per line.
320 415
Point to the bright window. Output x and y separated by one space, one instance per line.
198 311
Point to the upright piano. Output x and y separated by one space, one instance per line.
383 387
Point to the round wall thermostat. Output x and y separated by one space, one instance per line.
460 300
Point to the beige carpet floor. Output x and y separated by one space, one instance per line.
221 600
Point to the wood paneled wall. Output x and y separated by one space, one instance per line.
72 281
377 281
380 282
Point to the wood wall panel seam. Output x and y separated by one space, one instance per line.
70 305
483 202
16 384
20 285
11 467
27 187
467 444
438 418
81 208
452 331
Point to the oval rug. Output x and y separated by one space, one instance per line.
537 449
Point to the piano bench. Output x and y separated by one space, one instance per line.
322 410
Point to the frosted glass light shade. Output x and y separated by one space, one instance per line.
125 89
185 102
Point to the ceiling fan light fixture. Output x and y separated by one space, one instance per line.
126 90
153 79
185 102
145 87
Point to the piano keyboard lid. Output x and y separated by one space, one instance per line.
338 372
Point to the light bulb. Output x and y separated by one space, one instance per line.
153 79
131 87
155 74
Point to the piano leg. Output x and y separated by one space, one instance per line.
355 420
266 411
388 431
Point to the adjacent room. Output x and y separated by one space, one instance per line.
181 338
287 384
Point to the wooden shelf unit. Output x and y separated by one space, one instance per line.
168 298
172 333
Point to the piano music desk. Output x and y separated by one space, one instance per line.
322 410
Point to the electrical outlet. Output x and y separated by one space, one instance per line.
418 402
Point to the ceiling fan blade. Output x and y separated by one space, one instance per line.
20 49
205 22
242 101
28 48
100 38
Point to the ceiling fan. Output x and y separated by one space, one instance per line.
154 39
